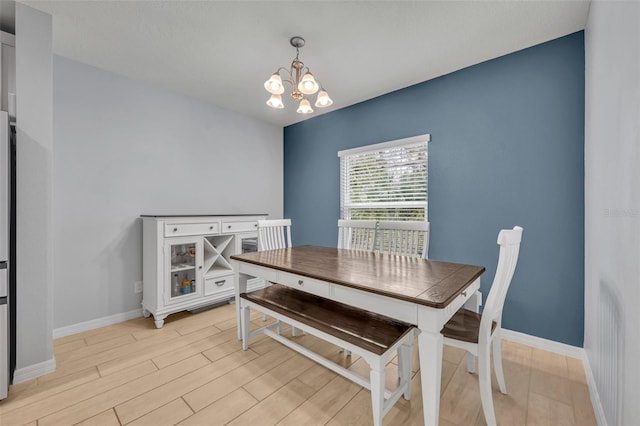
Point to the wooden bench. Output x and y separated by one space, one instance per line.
374 337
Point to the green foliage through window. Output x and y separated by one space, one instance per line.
387 182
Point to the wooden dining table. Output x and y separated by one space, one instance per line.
422 292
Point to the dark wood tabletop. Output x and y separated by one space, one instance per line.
427 282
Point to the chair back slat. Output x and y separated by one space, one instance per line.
405 238
509 241
274 234
357 234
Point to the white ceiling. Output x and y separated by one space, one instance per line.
223 51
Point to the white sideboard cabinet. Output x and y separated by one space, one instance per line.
185 260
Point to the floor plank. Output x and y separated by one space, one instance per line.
166 415
276 406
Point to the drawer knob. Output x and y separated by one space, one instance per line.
211 227
175 229
220 283
464 293
300 282
200 267
229 227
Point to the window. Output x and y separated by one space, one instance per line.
385 181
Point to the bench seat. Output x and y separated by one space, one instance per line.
374 337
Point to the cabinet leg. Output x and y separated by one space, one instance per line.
159 321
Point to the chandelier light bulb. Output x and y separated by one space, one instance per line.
274 85
275 101
305 107
323 99
308 85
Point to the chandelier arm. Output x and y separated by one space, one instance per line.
287 74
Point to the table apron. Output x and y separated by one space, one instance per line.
383 305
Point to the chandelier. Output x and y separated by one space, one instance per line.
302 81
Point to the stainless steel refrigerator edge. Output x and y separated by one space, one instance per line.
5 161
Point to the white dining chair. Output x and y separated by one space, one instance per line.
405 238
275 234
357 234
477 333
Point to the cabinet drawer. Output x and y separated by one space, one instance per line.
182 229
309 285
239 226
218 284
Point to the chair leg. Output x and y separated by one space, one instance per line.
497 361
294 332
377 390
405 353
484 373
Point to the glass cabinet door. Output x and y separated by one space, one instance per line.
184 269
247 243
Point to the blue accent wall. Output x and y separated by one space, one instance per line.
507 148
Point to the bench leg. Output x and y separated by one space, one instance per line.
244 319
405 353
377 390
471 362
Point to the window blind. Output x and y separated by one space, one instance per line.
385 181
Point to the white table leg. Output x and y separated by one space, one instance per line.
430 351
244 320
240 287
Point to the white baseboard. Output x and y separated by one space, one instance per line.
33 371
593 392
540 343
96 323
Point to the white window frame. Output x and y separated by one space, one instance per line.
346 205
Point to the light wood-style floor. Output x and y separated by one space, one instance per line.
193 372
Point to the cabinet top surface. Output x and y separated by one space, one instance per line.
179 216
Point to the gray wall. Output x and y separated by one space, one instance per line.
34 89
612 202
124 148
